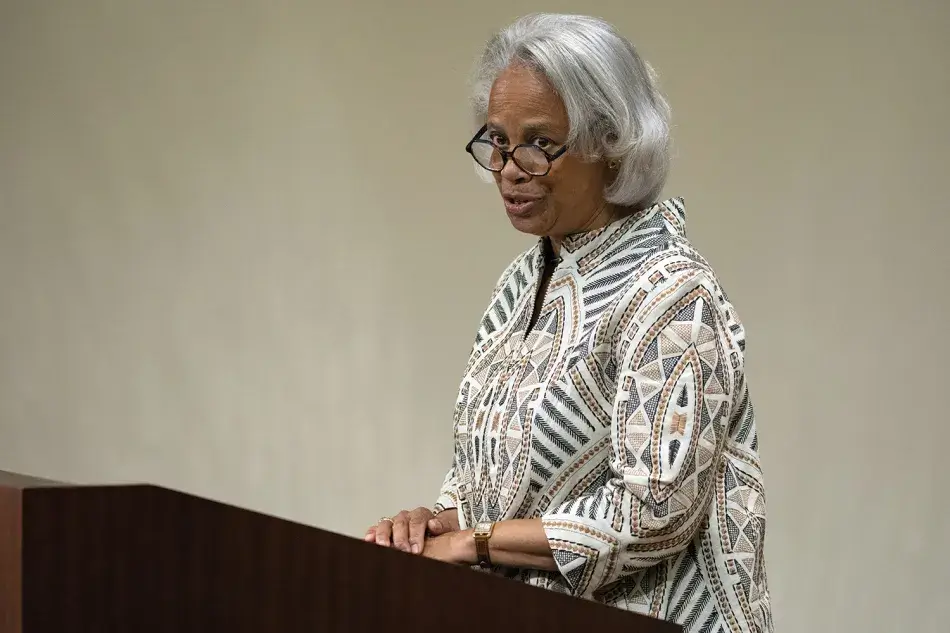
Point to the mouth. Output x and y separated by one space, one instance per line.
520 205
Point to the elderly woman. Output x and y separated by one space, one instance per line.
605 443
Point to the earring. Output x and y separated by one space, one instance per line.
613 164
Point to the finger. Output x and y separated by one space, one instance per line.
445 522
401 531
384 532
370 535
417 529
438 526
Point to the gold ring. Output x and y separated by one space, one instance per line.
390 519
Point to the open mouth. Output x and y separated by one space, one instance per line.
520 205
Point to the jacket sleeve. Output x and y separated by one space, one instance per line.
668 426
448 495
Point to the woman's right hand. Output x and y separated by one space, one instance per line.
407 530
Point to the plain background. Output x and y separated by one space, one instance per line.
243 254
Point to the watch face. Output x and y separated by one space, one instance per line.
483 527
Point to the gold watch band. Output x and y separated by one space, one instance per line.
482 534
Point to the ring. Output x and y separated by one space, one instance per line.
390 519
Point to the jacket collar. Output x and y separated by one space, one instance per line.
670 213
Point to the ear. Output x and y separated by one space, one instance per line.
611 170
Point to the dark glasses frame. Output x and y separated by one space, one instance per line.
509 153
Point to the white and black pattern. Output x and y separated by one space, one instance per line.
621 419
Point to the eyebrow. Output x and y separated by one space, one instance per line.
529 128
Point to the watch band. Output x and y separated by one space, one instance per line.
482 533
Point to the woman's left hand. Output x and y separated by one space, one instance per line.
457 548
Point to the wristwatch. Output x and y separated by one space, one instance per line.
482 533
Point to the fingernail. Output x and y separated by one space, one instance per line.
415 548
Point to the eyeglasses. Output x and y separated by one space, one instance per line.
531 159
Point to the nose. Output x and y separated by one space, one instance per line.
512 173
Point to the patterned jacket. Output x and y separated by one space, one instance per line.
623 421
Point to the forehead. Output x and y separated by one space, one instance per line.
523 97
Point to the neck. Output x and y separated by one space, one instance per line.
604 216
551 251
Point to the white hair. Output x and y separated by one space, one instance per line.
615 108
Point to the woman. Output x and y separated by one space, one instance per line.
605 445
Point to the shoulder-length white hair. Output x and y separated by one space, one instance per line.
615 108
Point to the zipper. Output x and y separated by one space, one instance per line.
536 306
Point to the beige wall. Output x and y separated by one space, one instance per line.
242 253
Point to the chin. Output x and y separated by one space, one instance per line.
534 224
529 226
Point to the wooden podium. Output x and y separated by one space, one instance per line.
143 559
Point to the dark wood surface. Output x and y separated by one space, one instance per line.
146 559
11 570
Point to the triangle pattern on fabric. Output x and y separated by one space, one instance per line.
572 565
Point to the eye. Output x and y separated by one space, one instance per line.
543 143
497 139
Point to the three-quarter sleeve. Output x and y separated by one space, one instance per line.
448 494
674 383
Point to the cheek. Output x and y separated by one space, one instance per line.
569 187
571 175
587 180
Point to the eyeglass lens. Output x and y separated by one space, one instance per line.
530 159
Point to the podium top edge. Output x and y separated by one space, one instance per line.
20 481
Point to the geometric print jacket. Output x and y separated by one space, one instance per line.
622 419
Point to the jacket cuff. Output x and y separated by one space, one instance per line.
586 556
